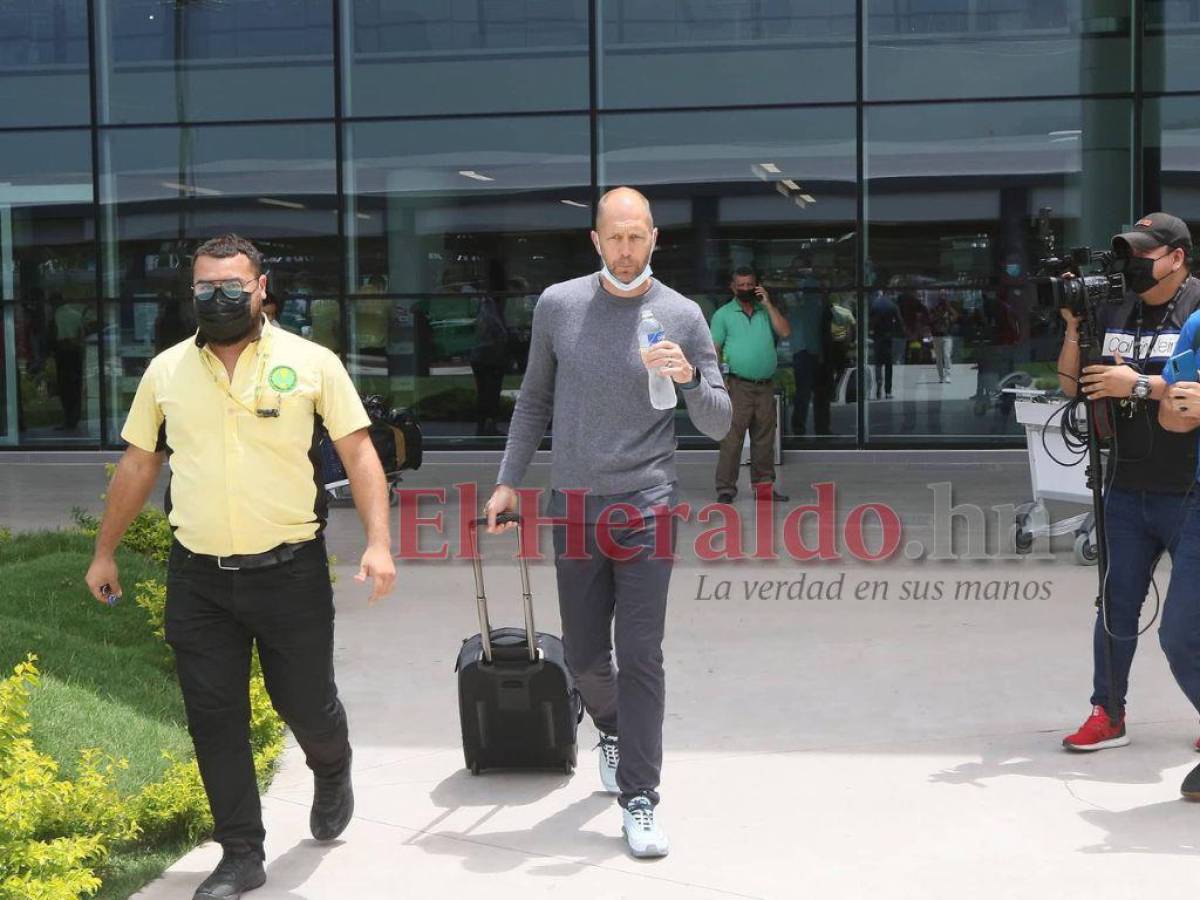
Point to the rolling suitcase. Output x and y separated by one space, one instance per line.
516 698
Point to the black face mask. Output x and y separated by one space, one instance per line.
224 321
1139 273
747 296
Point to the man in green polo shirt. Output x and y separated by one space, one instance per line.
745 329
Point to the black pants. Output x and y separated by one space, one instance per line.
68 363
489 381
883 356
212 619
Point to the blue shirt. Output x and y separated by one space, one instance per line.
1165 454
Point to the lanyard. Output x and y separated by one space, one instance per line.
1137 340
263 353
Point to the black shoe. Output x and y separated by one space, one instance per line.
235 874
1191 785
725 498
333 806
779 498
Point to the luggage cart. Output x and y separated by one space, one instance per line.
1040 411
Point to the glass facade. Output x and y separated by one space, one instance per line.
418 171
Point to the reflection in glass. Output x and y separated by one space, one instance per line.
454 228
417 57
655 54
457 361
207 60
935 49
435 206
164 190
772 190
49 340
1171 131
953 320
1171 46
44 63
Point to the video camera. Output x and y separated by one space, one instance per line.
1081 292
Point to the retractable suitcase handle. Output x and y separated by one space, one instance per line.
485 628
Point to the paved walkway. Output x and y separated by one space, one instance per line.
894 747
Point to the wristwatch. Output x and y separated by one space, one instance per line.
1141 390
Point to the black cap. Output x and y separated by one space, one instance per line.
1155 230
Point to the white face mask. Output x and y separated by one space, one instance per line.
641 278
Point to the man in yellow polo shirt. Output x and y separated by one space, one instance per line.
745 330
238 410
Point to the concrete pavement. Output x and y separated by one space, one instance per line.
888 742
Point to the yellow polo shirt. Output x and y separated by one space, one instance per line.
240 482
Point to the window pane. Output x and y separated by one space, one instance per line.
164 190
49 339
717 52
415 57
188 62
1171 130
933 49
772 190
44 63
443 215
1171 46
956 197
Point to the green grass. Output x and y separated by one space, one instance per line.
128 872
107 680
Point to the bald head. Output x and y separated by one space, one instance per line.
625 232
624 204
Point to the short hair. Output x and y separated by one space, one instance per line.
603 202
225 246
743 271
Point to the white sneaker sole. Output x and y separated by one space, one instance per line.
651 851
1121 741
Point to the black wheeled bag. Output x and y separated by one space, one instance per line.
516 698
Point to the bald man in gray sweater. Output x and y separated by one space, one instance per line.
585 370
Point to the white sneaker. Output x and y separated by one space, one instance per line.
643 834
610 757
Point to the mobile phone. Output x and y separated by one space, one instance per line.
1183 367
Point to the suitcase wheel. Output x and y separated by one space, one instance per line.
474 768
568 767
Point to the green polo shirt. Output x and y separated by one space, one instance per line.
747 341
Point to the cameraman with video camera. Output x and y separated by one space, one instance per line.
1151 469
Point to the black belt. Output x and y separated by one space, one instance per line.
753 380
265 560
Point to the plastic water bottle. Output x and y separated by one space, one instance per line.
662 388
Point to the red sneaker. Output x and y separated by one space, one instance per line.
1097 734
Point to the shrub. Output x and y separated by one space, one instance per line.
53 832
149 533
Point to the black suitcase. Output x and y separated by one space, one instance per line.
517 701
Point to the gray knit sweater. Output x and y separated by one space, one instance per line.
585 370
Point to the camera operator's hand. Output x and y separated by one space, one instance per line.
1109 381
1184 398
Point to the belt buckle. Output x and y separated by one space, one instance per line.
225 568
